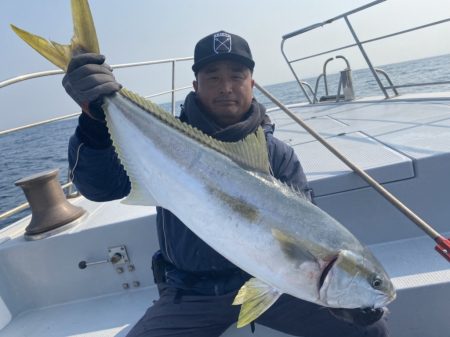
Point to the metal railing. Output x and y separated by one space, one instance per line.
358 43
30 76
173 61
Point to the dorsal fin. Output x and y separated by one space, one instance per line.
250 153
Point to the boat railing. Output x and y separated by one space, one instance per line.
358 43
68 187
30 76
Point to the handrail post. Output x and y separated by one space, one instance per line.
366 57
393 87
325 82
173 87
294 73
316 88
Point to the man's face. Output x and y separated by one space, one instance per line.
225 89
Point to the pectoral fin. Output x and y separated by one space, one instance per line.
255 297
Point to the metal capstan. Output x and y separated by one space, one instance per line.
51 212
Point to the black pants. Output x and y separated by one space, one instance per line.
210 316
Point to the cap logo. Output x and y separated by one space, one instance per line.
222 43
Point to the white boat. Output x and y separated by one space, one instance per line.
92 276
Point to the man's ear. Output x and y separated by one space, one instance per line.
253 83
195 85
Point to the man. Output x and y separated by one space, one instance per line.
196 284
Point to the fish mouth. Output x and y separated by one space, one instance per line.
326 271
385 299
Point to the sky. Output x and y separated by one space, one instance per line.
141 30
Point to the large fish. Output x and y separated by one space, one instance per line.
224 193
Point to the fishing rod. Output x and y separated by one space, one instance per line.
443 244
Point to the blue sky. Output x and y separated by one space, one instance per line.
139 30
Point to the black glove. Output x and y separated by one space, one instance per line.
88 79
362 317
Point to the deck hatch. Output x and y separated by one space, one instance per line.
327 174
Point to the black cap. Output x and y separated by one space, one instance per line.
222 46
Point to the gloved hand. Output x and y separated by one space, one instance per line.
362 317
88 79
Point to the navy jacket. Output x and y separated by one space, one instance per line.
99 176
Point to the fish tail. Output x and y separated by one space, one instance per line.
84 39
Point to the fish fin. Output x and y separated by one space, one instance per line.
250 153
255 297
137 196
84 35
303 194
55 53
83 40
293 247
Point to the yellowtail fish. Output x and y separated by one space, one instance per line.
225 194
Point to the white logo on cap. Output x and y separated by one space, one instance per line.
222 43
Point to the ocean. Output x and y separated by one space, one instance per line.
44 147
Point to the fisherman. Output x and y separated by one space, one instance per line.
196 284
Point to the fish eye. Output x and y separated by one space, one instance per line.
377 282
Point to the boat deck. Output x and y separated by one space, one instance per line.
106 316
78 312
384 138
404 144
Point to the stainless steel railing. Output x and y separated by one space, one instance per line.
358 43
30 76
173 61
26 77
